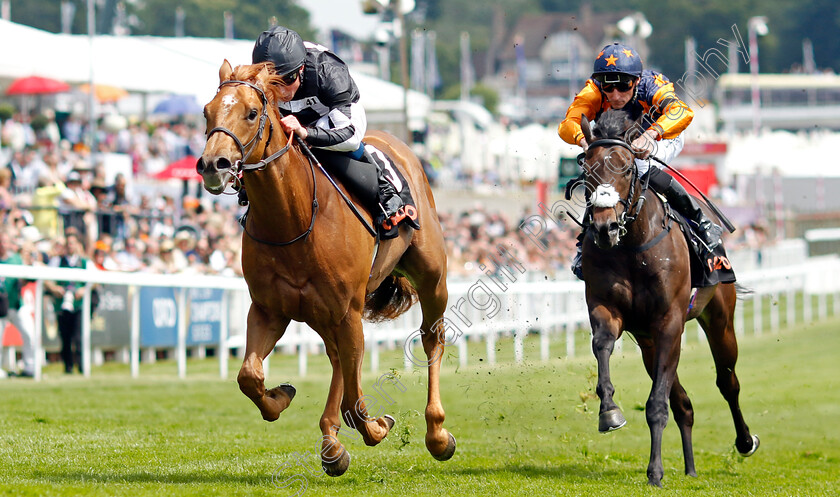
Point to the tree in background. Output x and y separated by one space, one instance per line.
203 18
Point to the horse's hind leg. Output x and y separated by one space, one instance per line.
261 338
717 321
680 406
430 282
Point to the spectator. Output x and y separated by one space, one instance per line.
67 299
9 254
77 207
7 198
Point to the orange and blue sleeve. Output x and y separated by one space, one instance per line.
588 103
675 116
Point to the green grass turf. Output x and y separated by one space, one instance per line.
526 429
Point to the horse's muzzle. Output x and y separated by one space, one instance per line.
606 234
215 173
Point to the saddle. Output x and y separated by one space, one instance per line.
362 179
708 268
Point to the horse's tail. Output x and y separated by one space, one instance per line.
394 296
742 292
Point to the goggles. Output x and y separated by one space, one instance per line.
289 78
622 87
610 82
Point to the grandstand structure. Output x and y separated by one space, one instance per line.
788 101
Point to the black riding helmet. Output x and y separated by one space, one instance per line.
282 46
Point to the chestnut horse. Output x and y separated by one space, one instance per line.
637 275
306 257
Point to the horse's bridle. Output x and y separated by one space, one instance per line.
246 149
624 218
240 166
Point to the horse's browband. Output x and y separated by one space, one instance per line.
611 142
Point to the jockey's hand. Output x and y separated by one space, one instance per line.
645 144
291 124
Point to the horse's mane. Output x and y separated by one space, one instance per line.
612 124
250 72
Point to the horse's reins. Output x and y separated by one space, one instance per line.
241 166
711 205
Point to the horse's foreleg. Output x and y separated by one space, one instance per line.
351 349
719 327
334 457
666 356
680 405
261 338
606 329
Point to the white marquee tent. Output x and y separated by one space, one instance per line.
156 65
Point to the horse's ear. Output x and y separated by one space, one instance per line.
225 71
264 74
585 128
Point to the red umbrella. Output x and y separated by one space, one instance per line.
36 85
180 169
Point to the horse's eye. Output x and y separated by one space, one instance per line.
252 115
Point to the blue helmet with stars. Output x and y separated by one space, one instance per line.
615 61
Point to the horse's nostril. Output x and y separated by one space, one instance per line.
223 163
199 165
613 227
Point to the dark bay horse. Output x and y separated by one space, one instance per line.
637 278
307 258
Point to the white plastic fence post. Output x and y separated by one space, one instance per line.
224 331
807 306
791 307
37 343
86 352
135 331
374 350
182 332
463 352
739 320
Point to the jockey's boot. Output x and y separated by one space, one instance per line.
576 262
390 201
688 207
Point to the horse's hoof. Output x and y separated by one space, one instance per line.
337 467
390 421
289 390
756 443
611 420
449 451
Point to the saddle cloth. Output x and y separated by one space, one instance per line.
707 268
397 180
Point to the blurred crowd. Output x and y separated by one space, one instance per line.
52 184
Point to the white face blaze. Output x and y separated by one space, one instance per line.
605 196
228 101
